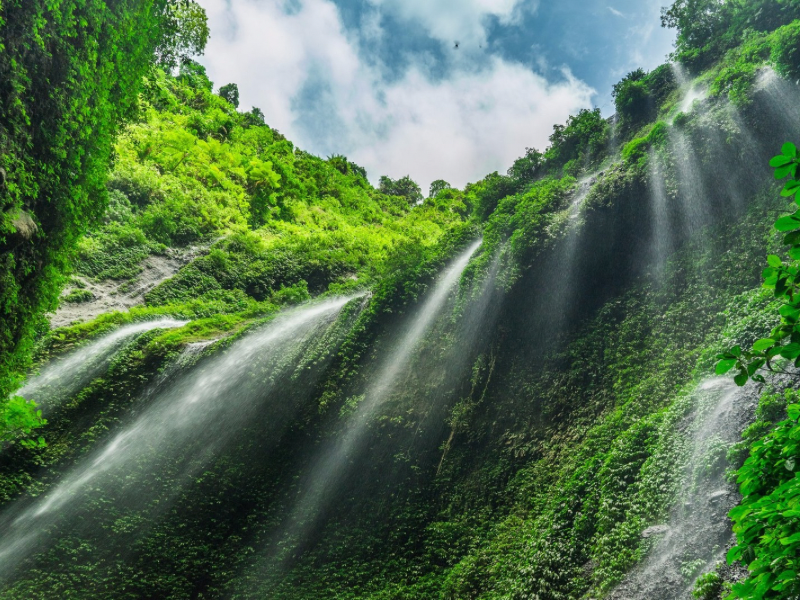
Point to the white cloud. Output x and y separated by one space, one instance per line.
614 11
449 20
467 126
475 121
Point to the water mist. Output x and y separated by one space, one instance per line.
63 376
698 530
332 462
186 423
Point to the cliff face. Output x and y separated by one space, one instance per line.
503 392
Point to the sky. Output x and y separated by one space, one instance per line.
383 83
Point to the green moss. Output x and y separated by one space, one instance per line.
78 296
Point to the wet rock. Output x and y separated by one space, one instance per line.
717 496
655 530
25 226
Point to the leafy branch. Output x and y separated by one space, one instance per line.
784 279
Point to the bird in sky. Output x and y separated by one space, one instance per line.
456 46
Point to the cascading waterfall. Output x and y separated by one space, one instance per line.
332 462
698 530
663 243
65 375
692 193
780 94
692 92
186 423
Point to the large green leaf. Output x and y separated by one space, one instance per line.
787 223
780 161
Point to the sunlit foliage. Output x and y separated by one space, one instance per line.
70 72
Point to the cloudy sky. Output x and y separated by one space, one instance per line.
382 82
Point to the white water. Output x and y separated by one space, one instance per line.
331 465
202 409
663 242
698 530
692 193
691 91
65 375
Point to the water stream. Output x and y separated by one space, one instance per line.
187 422
65 375
698 531
333 461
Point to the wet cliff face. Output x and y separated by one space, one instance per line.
528 418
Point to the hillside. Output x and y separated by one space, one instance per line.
267 378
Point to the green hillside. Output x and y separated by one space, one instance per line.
322 412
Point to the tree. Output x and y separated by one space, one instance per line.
230 93
405 187
632 97
437 186
255 117
583 137
184 33
526 168
346 167
339 162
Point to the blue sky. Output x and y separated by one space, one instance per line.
381 81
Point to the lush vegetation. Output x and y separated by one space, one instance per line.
70 72
768 538
539 428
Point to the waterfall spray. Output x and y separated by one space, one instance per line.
663 242
698 530
332 464
691 91
64 376
186 423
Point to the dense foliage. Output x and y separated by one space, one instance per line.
542 424
709 28
194 172
70 72
768 537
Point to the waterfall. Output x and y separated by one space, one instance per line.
332 462
698 530
65 375
661 229
184 425
691 90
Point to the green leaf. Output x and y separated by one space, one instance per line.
787 223
792 539
790 351
781 286
785 171
793 410
774 261
789 149
755 366
779 161
763 344
736 351
789 312
724 366
792 238
741 378
791 188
